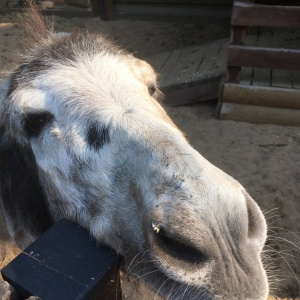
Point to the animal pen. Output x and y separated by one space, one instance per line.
263 69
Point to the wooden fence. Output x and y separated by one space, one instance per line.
263 101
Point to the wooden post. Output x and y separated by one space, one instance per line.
106 10
95 8
237 37
238 34
257 99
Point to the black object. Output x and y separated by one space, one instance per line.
65 264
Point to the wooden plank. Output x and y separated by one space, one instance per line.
186 65
251 39
66 11
236 38
106 9
158 61
95 4
169 64
158 9
278 2
257 57
260 114
295 44
296 79
109 10
246 14
211 65
189 65
237 35
183 67
210 57
247 73
262 77
261 96
222 56
282 39
185 2
246 76
200 91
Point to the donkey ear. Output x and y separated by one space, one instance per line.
23 201
146 74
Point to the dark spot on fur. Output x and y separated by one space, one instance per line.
97 136
23 198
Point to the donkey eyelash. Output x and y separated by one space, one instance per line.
35 122
151 90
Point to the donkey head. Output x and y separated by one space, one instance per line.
83 137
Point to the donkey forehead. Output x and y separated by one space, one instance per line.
99 87
101 80
88 67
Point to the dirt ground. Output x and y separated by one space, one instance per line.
264 158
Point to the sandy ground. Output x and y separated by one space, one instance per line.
264 158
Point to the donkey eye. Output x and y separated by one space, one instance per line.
35 122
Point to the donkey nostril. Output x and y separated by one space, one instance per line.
177 248
256 222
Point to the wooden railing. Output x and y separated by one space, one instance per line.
258 57
262 101
246 14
